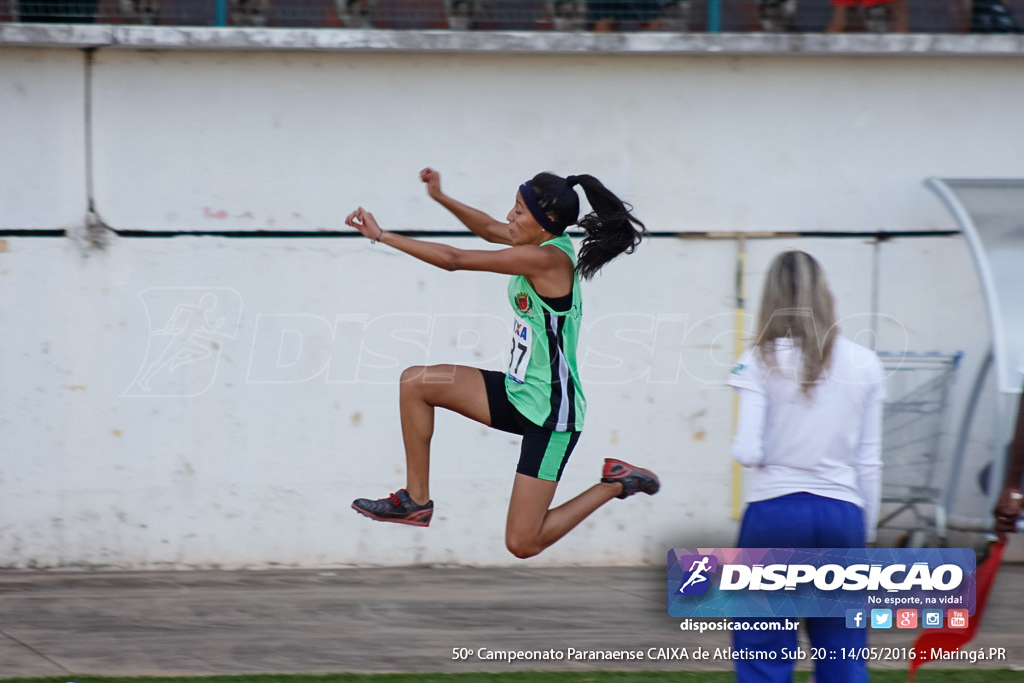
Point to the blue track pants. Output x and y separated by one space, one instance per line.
802 520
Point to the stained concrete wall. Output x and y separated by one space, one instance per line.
137 440
219 400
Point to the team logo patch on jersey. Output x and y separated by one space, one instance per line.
523 302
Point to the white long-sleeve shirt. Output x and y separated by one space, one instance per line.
829 444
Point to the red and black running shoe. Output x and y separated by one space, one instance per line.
633 479
398 508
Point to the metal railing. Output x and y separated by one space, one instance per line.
713 16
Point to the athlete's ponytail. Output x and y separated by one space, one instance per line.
611 228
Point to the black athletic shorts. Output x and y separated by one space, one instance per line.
544 452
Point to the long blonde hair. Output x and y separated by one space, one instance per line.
797 304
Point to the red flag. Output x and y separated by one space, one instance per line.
951 639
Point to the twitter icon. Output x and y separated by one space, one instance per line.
881 618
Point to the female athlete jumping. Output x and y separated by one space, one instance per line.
539 396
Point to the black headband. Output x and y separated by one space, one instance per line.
539 214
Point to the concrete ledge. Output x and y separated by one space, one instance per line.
544 42
55 35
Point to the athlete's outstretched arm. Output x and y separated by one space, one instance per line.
528 260
479 223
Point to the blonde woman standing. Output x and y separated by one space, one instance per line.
809 429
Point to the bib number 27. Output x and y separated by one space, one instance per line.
519 356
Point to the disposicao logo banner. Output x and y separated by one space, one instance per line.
817 582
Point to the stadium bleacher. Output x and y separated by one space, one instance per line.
730 16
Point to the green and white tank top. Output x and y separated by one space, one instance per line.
542 381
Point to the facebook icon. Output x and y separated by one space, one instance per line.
855 618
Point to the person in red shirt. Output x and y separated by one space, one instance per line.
899 17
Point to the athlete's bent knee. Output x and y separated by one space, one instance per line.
522 549
413 373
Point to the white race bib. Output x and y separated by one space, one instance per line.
522 344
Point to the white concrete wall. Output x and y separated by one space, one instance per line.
281 141
250 451
293 142
42 147
250 455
